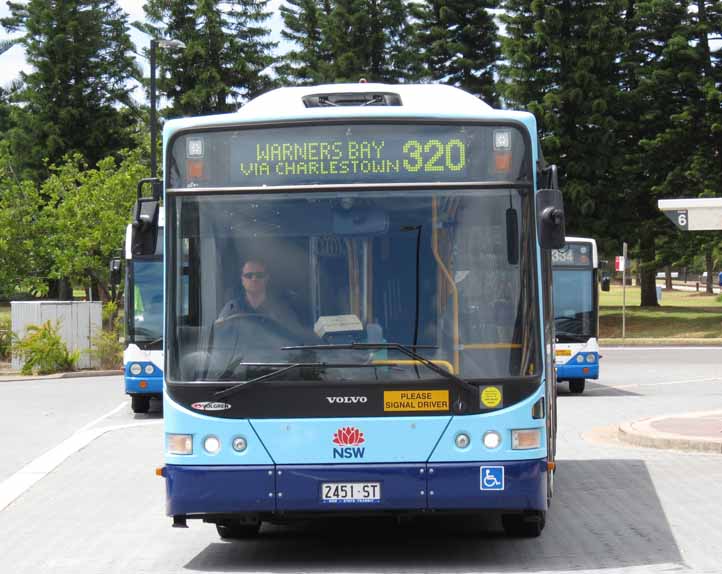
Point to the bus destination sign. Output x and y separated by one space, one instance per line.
338 154
573 255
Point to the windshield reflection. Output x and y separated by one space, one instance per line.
574 315
147 323
438 272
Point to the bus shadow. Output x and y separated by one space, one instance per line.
606 514
597 390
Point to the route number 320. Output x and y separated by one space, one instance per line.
434 155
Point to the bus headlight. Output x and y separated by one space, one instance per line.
179 443
591 358
580 358
149 369
491 439
136 369
525 439
211 444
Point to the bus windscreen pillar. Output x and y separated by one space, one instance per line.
699 214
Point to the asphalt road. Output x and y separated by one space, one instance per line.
80 494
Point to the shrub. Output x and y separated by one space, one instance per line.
110 314
5 338
107 349
43 351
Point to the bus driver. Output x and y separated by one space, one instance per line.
256 300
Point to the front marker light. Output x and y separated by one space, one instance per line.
136 369
179 443
240 444
211 444
462 440
591 358
525 439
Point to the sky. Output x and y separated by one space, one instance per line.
13 61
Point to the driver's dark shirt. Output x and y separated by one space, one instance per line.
271 308
241 305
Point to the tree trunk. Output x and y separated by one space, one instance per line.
668 277
648 266
60 290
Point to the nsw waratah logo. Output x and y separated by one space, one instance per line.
348 440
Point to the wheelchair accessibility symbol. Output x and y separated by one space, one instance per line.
492 477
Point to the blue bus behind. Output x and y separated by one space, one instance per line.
143 355
576 312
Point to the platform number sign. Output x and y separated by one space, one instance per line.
680 217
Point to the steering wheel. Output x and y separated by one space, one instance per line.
233 337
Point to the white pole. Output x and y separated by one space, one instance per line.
624 291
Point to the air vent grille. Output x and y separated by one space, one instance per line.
352 99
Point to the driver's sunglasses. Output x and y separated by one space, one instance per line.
255 275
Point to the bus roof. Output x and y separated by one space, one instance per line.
595 256
434 101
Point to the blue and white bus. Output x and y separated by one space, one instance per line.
143 354
576 311
400 360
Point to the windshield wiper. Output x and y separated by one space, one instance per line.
572 336
284 369
406 350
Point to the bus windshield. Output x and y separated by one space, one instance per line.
574 315
443 272
146 321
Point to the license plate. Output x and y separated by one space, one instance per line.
343 492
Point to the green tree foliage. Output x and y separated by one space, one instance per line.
693 136
310 60
562 64
458 43
82 61
657 84
226 57
25 262
87 224
369 39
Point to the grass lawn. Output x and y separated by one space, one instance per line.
682 315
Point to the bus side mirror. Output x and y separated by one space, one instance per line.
550 216
114 271
605 283
145 226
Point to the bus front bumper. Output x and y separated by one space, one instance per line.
143 385
205 491
577 371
